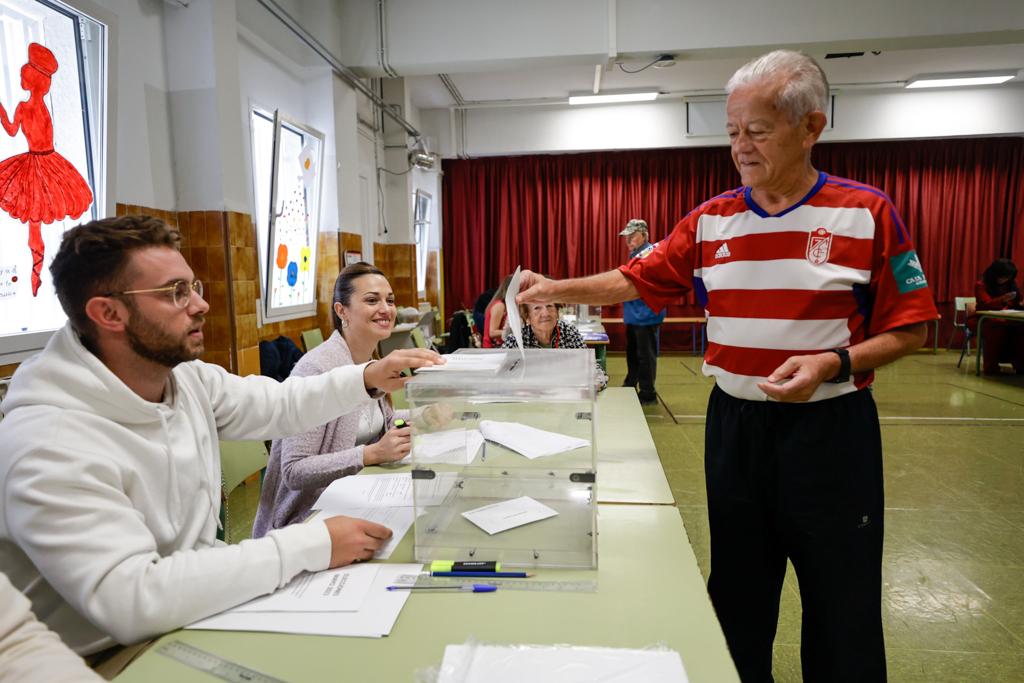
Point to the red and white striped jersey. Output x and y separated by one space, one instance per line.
828 272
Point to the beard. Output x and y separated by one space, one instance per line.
156 345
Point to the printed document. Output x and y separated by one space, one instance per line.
333 590
383 490
374 619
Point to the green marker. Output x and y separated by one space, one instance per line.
469 566
399 423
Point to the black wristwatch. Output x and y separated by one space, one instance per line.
844 366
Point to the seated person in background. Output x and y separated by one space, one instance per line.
110 471
496 317
302 466
31 652
997 290
542 329
480 307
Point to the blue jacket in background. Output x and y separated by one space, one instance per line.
636 312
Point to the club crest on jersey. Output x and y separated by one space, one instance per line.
819 244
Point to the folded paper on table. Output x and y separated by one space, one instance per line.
508 514
479 663
374 619
529 441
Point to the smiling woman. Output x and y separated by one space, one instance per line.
301 466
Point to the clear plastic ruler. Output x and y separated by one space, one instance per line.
213 664
502 584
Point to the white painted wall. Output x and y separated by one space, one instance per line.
860 115
143 169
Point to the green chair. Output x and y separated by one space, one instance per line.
419 340
239 460
312 339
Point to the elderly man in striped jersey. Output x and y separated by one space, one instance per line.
809 282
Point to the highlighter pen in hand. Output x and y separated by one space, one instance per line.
468 588
399 423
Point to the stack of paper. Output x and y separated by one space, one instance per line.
350 601
529 441
473 663
468 362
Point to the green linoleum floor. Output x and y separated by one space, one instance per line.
953 569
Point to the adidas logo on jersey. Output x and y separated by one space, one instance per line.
723 251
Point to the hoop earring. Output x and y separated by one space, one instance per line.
344 323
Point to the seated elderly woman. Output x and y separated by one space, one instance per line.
302 466
543 330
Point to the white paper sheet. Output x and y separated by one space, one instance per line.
382 491
529 441
398 519
508 514
376 618
558 664
334 590
515 321
456 446
469 362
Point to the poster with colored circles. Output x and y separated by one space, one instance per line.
293 271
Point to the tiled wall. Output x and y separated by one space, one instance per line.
398 261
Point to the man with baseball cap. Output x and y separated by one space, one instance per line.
642 324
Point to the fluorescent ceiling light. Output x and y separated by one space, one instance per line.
961 79
611 98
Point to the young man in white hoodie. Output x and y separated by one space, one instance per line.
110 470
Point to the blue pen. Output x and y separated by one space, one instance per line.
474 588
486 575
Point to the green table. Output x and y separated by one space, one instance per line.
1013 316
650 591
628 467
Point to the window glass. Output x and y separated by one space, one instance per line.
52 72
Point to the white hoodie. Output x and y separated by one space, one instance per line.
109 504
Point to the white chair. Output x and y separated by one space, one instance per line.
963 308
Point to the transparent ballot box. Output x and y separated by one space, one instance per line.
504 464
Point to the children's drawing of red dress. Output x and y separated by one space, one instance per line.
39 186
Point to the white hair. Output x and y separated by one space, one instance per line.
805 88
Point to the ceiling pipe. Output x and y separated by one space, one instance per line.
343 72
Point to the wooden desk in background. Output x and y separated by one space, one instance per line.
1012 316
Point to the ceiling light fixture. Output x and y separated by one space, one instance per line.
613 97
665 61
961 79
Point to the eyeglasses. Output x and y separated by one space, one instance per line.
181 291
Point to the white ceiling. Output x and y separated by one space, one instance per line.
693 74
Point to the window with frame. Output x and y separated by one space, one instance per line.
421 233
52 156
287 160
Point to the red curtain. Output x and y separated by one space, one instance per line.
561 214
